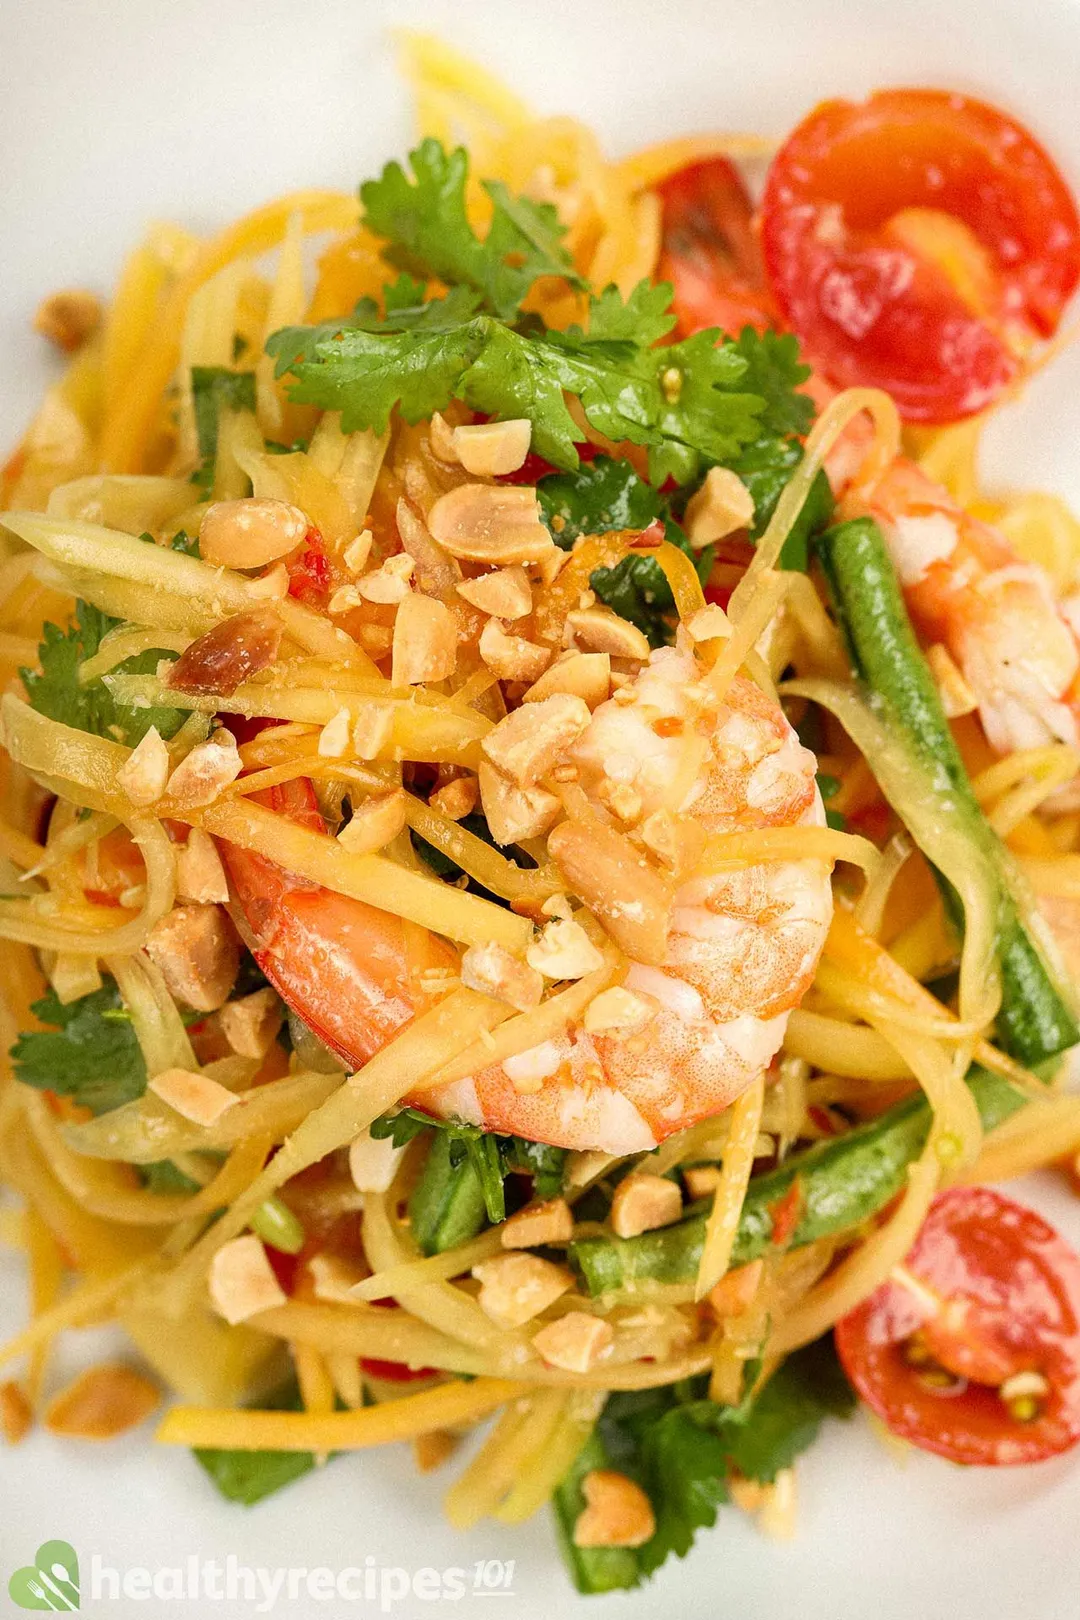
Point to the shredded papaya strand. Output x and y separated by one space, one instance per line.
126 430
87 1302
682 577
240 1430
738 1163
726 850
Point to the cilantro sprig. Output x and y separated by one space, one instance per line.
56 691
689 404
88 1052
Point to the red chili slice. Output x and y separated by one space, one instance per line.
1009 1293
919 242
310 576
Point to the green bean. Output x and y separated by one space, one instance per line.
278 1227
841 1183
592 1569
1034 1022
447 1204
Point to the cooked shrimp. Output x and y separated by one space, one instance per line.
741 948
1014 645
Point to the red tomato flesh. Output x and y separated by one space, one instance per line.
710 251
1009 1289
937 314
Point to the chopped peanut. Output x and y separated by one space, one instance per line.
493 971
356 553
457 798
505 593
390 583
198 954
101 1403
69 318
722 505
425 641
242 1280
433 1449
375 821
16 1413
334 736
200 875
251 1024
956 695
643 1202
563 951
709 624
623 800
372 729
333 1278
441 439
516 1287
536 1224
272 586
599 630
514 813
528 742
512 658
575 1342
583 675
145 772
702 1180
344 600
250 533
734 1293
617 1012
617 1512
373 1162
491 523
209 767
195 1096
492 449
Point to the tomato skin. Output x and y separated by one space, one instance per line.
395 1372
870 308
310 575
710 251
1020 1283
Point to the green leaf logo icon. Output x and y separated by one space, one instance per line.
51 1582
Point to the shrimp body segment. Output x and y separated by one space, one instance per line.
742 945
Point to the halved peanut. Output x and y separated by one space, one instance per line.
722 505
642 1202
516 1287
229 654
250 533
536 1224
209 767
101 1403
575 1342
251 1024
512 812
194 1096
425 641
492 449
433 1449
511 658
145 772
581 674
528 742
617 1513
69 318
242 1281
16 1413
375 821
564 950
505 593
388 584
604 869
599 630
735 1291
200 876
456 798
491 523
198 953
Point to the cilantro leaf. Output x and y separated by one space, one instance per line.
765 467
58 692
683 1449
774 370
89 1054
163 1178
215 389
603 494
642 319
425 222
489 1156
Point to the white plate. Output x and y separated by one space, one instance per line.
114 112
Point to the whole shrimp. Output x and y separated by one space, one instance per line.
1014 646
698 1025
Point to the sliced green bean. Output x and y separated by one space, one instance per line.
841 1183
447 1204
1034 1022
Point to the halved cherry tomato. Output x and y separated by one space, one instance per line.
710 252
919 242
1009 1293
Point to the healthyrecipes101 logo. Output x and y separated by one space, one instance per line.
51 1583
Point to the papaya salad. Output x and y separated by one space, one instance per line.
541 830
